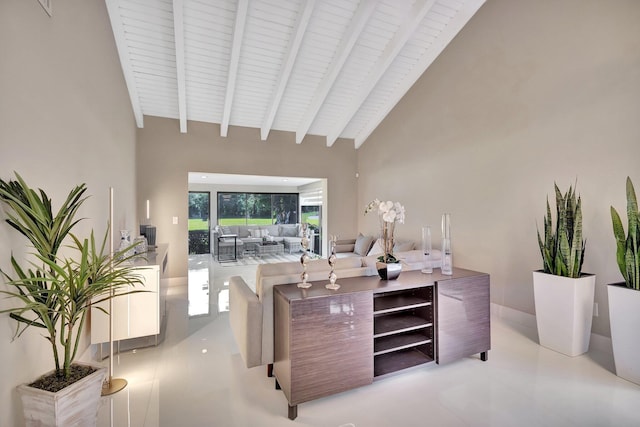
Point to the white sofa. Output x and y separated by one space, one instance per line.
251 313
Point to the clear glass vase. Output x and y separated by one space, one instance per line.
426 249
447 256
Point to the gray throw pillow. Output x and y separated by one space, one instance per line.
289 230
363 243
403 246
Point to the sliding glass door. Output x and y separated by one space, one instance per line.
199 208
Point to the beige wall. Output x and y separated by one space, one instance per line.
65 119
527 94
166 156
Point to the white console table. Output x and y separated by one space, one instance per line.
135 315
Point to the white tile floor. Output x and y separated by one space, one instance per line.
196 378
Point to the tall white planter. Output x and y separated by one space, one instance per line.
624 316
75 405
564 311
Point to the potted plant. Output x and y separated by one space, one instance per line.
389 213
624 298
563 294
54 293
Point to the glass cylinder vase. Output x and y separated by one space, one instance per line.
447 256
426 249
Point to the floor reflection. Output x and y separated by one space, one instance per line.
200 276
194 334
208 287
223 300
136 405
198 291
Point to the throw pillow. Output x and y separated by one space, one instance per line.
226 230
363 243
255 232
403 246
273 229
289 230
377 248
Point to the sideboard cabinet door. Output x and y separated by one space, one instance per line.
324 345
463 318
134 315
144 307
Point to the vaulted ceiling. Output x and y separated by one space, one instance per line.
333 68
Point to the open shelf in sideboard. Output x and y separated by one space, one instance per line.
398 302
391 362
403 329
397 323
403 341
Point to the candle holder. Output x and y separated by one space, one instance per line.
305 257
332 261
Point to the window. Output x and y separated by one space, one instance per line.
257 208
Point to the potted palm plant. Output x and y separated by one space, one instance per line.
624 298
54 293
563 294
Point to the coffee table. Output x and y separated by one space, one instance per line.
266 248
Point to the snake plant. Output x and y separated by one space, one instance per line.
562 249
628 247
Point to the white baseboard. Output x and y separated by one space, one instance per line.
597 342
513 315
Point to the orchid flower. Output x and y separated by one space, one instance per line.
389 213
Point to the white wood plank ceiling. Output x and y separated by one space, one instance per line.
333 68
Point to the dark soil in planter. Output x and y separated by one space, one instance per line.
53 382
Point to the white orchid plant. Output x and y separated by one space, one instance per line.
389 214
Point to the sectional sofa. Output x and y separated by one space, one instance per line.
290 235
251 311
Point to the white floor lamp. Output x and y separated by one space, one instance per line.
111 385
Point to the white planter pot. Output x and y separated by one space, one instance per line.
624 315
564 311
75 405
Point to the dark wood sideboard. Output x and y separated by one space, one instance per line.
328 341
